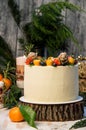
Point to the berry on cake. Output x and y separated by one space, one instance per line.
61 60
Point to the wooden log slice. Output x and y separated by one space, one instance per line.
82 70
82 85
58 112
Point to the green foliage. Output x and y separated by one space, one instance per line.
9 72
7 61
7 68
14 10
27 47
79 124
28 114
11 97
83 94
6 54
47 28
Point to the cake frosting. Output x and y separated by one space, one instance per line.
51 84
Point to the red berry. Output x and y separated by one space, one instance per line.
57 61
29 60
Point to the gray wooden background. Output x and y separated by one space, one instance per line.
10 31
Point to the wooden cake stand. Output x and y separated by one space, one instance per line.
67 111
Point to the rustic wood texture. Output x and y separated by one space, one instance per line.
58 112
82 76
10 31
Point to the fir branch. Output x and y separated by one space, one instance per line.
47 28
15 11
79 124
69 6
6 54
11 97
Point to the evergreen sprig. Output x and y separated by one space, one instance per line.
6 54
47 28
15 11
79 124
11 97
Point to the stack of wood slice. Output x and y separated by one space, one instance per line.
58 112
82 76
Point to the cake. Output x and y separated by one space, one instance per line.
51 83
51 87
20 61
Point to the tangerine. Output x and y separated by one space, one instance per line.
7 82
71 60
1 77
15 114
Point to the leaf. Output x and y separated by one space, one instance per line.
11 97
28 114
79 124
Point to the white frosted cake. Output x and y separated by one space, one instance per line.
51 87
51 83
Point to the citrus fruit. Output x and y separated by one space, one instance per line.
36 62
71 60
1 77
15 114
49 62
7 82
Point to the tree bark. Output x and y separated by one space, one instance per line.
58 112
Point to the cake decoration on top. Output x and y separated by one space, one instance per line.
62 59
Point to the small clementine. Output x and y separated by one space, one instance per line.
71 60
7 82
15 115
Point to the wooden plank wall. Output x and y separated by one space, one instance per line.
10 31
